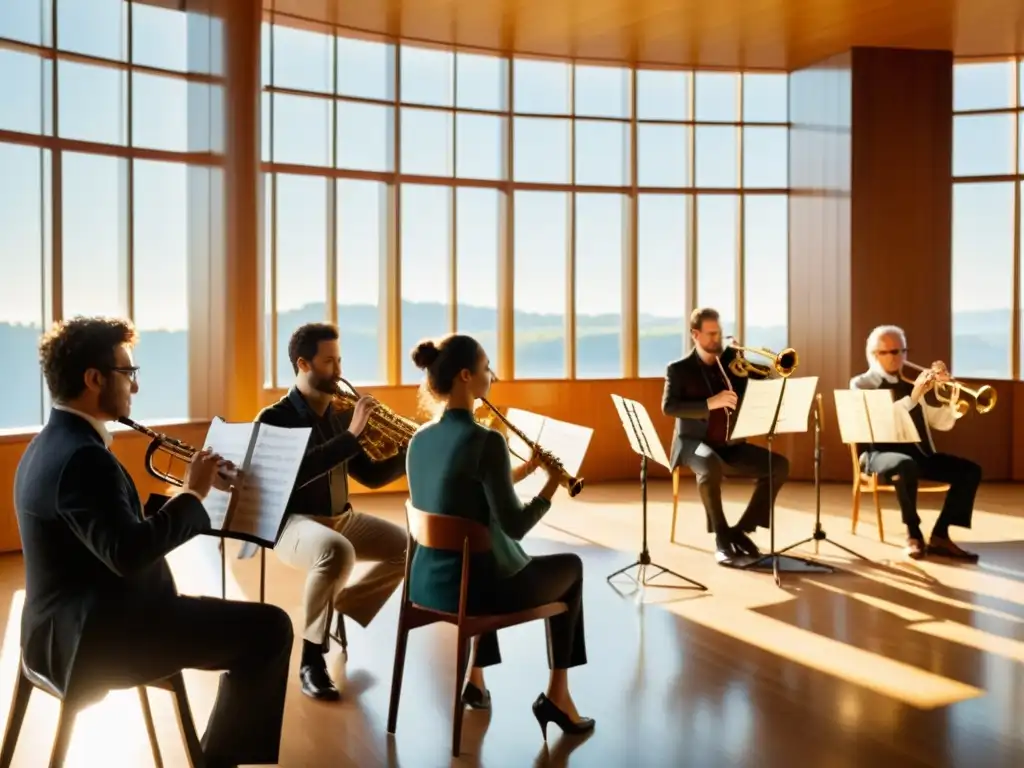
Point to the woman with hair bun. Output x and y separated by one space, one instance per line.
456 466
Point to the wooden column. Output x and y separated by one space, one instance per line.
225 215
870 219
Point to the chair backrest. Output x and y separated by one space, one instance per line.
856 462
446 531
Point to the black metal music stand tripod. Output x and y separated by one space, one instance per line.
819 534
640 443
777 560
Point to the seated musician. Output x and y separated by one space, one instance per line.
101 607
457 466
904 464
322 534
702 394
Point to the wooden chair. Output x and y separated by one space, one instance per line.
675 503
454 534
675 506
868 481
71 705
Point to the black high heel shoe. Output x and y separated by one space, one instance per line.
546 712
474 698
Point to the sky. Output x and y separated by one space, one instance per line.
93 104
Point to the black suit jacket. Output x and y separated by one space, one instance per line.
85 543
686 400
330 445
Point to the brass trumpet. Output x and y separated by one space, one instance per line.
161 442
783 363
948 392
573 484
386 433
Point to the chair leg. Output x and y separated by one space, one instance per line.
460 674
65 727
855 516
19 705
147 715
186 724
675 503
878 513
396 674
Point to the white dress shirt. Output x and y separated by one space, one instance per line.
942 419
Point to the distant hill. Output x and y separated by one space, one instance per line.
163 355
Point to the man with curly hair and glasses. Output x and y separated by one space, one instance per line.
101 607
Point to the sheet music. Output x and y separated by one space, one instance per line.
530 424
569 442
232 442
757 410
632 413
269 479
852 416
797 401
873 417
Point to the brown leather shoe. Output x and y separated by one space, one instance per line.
915 549
946 548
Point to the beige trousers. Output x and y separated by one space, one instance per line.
328 548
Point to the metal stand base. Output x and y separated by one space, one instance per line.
644 562
818 536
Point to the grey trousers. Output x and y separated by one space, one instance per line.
328 548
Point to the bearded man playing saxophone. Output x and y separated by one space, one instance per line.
904 464
322 534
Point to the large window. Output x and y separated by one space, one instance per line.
558 200
987 172
94 179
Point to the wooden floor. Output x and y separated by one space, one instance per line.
877 664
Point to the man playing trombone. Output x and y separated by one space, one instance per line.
904 464
702 392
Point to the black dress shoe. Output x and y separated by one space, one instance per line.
316 683
474 698
546 712
725 550
743 543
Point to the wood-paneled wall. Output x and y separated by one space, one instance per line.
819 242
870 232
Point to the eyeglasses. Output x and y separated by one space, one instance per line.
893 352
132 373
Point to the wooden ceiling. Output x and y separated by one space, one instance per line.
773 34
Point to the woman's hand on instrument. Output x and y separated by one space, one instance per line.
361 414
724 399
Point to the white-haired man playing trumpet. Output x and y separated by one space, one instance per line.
904 464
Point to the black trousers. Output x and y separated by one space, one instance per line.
710 465
545 579
905 470
127 645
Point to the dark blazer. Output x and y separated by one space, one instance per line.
86 544
686 400
330 445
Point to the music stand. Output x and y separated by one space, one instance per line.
767 411
248 549
819 534
644 441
